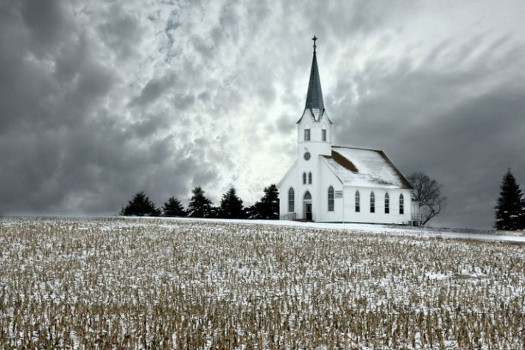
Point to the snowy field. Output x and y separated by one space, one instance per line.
165 283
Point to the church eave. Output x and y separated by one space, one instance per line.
310 114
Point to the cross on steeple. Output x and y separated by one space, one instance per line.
314 39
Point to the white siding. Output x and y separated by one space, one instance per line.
327 179
379 216
323 178
288 181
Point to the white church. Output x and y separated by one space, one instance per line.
328 183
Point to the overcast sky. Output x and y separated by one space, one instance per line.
102 99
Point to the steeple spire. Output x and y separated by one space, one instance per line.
314 96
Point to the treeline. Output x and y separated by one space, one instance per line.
200 206
510 208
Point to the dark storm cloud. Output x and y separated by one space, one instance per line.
457 125
45 20
149 126
62 150
21 78
154 89
477 142
23 180
90 85
101 100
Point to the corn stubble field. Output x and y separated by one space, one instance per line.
159 283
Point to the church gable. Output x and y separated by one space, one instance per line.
289 174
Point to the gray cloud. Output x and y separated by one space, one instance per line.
154 89
460 126
285 123
46 22
122 33
99 101
184 101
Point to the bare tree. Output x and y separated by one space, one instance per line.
427 192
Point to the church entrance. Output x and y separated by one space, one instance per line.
308 209
307 206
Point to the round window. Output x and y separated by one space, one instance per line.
307 155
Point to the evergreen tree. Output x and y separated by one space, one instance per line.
214 212
510 208
231 206
199 206
173 207
140 205
268 207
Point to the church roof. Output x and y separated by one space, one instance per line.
365 167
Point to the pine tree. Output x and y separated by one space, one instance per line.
140 205
173 207
510 208
199 206
231 206
268 207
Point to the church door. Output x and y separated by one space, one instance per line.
308 211
307 206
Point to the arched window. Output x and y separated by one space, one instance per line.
372 203
307 195
387 204
357 202
401 204
291 200
330 198
310 178
304 178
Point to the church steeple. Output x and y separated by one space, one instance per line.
314 128
314 96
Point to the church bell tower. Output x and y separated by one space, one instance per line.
314 128
314 139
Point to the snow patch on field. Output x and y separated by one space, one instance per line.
517 236
191 283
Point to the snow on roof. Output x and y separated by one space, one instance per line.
365 167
